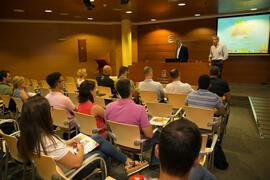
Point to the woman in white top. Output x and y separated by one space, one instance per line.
37 136
82 74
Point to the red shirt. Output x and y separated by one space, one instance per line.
85 108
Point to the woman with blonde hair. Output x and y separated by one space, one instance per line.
19 86
81 76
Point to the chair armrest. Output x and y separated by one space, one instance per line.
67 122
86 162
176 114
211 149
216 121
139 142
97 130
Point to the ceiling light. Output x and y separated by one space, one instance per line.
254 9
18 10
153 19
128 12
181 4
48 11
63 14
90 19
197 15
92 0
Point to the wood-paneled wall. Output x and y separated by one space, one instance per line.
35 50
153 46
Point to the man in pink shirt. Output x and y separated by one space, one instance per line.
56 98
126 111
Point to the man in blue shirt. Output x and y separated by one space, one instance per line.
203 98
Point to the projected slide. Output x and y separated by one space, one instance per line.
245 34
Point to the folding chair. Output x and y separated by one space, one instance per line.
148 96
100 101
128 136
105 90
177 100
6 99
47 168
70 87
19 105
87 124
11 149
208 152
159 109
44 91
44 84
74 98
30 89
194 87
34 83
61 120
69 79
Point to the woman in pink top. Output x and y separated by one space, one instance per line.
87 92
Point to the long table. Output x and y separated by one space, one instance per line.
190 71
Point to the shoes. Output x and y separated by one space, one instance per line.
137 168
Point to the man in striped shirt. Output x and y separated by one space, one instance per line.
204 98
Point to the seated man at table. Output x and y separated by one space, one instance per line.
149 85
203 98
178 149
218 85
57 99
105 80
177 87
126 111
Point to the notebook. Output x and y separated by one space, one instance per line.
88 143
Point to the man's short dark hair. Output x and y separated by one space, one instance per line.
3 74
179 146
123 87
147 70
204 81
174 73
214 71
53 78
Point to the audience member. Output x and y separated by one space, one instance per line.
5 79
178 150
126 111
39 139
105 80
87 93
19 86
82 74
218 85
177 87
57 99
149 85
203 98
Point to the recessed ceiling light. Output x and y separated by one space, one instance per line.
181 4
63 14
254 9
90 19
153 19
77 16
92 0
48 11
128 12
18 10
197 15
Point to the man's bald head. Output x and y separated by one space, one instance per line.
107 70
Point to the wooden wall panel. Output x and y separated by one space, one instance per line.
35 50
153 47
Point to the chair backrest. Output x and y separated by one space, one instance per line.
100 101
12 146
125 134
70 87
148 96
69 79
194 87
30 89
201 117
18 103
27 81
204 141
159 109
59 117
44 84
177 100
44 91
74 98
86 122
6 99
47 167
